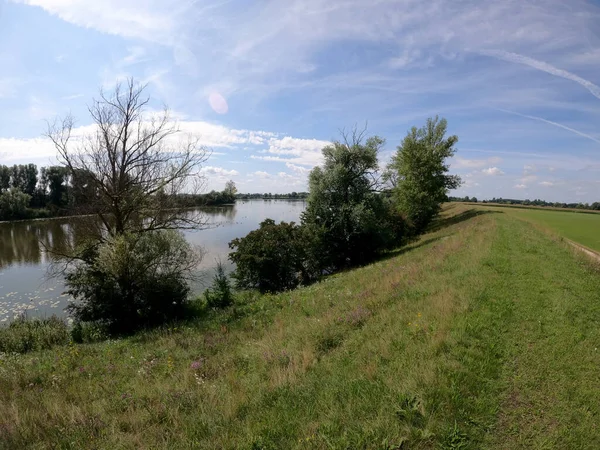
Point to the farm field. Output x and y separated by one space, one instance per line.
483 334
583 228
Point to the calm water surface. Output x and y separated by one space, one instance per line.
26 288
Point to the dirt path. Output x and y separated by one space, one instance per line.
592 254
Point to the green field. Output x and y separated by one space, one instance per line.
583 228
483 334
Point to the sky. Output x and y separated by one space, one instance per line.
266 84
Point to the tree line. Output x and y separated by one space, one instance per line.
29 193
355 210
267 195
537 202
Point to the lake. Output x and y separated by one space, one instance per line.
26 288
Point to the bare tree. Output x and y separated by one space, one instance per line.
131 166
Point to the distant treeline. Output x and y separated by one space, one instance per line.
537 202
268 195
29 193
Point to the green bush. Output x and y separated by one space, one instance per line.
272 258
132 281
219 295
13 205
24 335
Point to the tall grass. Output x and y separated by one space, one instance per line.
25 335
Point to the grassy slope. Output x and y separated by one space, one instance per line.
581 227
483 334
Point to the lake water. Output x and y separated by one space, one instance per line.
26 288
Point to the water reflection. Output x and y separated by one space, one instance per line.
24 284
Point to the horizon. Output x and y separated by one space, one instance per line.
267 86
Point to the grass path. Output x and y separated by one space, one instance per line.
482 335
581 227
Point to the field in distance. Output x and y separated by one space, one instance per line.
579 226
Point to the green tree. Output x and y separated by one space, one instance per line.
30 178
419 171
56 179
4 178
229 192
132 281
271 258
13 204
346 212
132 269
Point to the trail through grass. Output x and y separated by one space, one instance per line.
484 334
581 227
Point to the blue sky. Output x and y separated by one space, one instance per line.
267 84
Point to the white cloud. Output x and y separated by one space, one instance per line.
295 151
521 186
494 171
298 169
152 20
262 174
211 170
25 150
546 183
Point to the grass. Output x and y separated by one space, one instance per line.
581 227
481 335
25 335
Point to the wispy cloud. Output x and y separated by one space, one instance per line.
540 119
545 67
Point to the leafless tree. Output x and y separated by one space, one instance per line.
130 167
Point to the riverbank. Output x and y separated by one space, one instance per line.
481 334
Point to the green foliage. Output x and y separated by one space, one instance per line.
219 295
130 281
349 219
86 332
24 335
56 179
419 172
13 204
271 258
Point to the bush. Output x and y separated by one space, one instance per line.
13 205
131 281
219 295
271 258
24 335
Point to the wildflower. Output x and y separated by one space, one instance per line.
196 365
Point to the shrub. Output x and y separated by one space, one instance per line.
24 335
219 295
13 205
131 281
271 258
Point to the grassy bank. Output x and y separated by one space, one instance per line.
481 335
578 226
